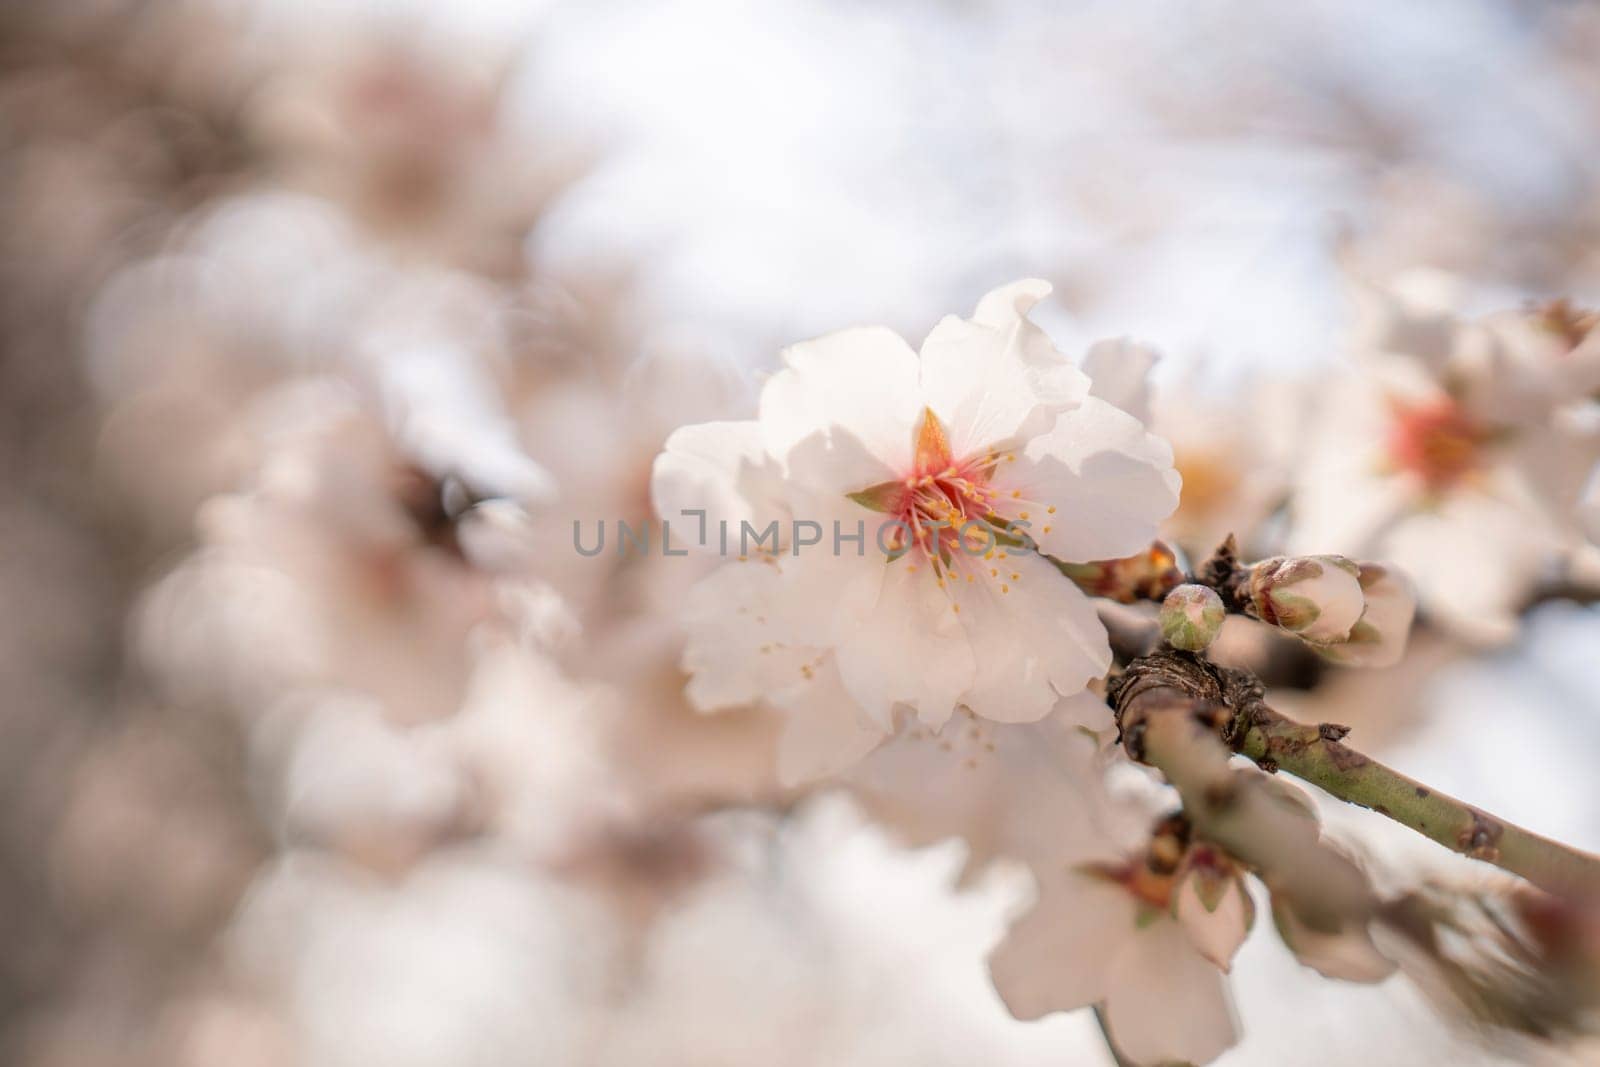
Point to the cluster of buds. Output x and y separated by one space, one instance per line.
1357 614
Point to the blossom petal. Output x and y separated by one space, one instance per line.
858 390
910 648
996 379
1216 926
736 653
1119 374
824 731
1165 1003
1379 638
1055 957
1589 507
1057 380
720 468
1034 635
1348 955
1443 552
830 586
1109 481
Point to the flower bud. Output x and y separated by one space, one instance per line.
1379 638
1191 617
1316 598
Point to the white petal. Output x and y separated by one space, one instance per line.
1589 507
1218 933
1348 955
857 388
824 730
1087 710
1379 639
1055 958
1058 382
1343 498
996 379
1034 635
1109 481
1119 372
720 468
910 648
1166 1004
736 653
1473 561
829 587
1026 791
1411 317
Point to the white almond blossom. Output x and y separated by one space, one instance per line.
1459 443
933 457
1150 946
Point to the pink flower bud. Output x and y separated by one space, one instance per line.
1316 598
1379 638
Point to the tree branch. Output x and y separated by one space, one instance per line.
1227 703
1315 754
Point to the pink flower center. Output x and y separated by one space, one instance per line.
952 515
941 495
1435 441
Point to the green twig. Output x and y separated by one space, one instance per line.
1315 754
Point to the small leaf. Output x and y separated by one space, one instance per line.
884 497
1291 611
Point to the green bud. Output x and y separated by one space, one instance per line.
1191 617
